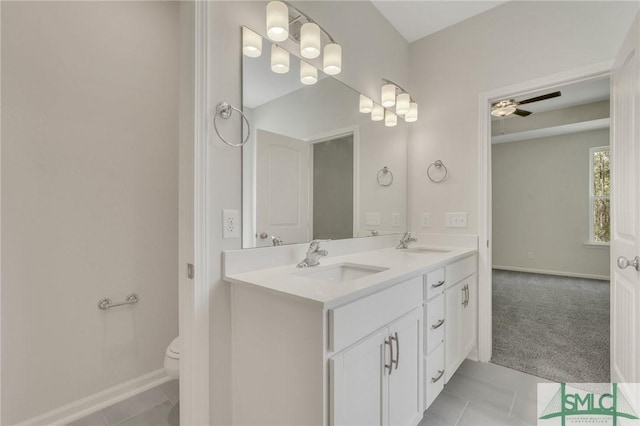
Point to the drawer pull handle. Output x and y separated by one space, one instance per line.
397 360
390 365
438 324
438 377
438 284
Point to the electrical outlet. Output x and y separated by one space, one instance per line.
395 220
456 220
230 224
372 219
426 220
530 255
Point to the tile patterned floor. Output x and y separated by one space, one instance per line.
155 407
482 394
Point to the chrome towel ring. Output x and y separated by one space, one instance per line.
224 110
438 165
384 176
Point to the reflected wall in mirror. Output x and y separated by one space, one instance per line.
310 167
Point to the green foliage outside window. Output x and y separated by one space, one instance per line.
601 195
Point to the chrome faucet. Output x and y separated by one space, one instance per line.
276 241
313 255
405 240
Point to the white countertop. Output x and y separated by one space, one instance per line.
290 281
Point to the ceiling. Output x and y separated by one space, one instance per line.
417 19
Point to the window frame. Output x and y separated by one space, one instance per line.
593 197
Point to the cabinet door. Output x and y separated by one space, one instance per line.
453 329
359 385
469 317
405 380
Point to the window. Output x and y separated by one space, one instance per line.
599 195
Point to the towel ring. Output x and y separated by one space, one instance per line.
381 175
438 165
224 110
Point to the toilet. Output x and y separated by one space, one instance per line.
172 359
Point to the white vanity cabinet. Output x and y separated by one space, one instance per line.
377 381
461 312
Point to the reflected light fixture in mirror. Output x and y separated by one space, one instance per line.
402 103
366 104
377 113
412 114
308 73
279 60
251 43
277 21
390 118
310 40
388 95
332 64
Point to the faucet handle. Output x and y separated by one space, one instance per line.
315 244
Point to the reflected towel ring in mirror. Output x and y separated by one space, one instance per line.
438 165
224 110
385 177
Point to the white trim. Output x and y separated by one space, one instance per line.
96 402
590 72
557 273
565 129
593 197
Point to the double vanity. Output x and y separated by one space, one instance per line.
369 336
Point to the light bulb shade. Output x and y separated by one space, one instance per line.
412 114
332 64
377 113
251 43
402 103
277 21
310 40
279 60
390 118
366 104
308 73
388 95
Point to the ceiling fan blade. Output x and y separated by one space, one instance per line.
521 112
540 98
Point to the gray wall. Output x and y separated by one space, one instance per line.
541 205
333 189
89 197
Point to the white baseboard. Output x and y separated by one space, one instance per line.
558 273
93 403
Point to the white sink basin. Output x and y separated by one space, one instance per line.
425 250
340 272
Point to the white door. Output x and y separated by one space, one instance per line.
283 189
405 382
625 198
359 385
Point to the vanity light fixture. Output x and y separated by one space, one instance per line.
366 104
310 40
308 73
390 118
277 21
332 64
251 43
394 94
279 60
377 112
412 114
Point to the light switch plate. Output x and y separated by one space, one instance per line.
456 220
372 219
395 220
230 224
425 221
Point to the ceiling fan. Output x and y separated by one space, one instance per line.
510 106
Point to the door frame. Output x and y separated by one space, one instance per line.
590 72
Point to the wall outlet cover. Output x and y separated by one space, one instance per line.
425 221
230 224
372 219
395 220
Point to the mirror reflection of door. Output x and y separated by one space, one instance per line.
333 188
283 189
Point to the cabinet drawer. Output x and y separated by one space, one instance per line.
433 283
461 269
434 323
351 322
434 375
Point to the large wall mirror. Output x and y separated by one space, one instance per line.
314 167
